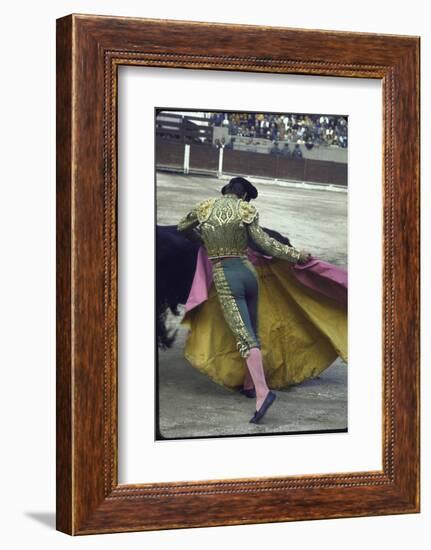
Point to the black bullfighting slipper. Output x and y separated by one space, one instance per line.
250 392
258 415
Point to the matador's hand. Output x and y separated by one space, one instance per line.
304 257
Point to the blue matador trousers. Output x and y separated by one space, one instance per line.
237 285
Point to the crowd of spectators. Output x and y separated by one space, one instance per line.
289 128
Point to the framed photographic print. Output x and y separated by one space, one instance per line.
215 185
299 313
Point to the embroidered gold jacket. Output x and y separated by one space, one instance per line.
225 225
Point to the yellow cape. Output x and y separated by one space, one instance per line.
301 332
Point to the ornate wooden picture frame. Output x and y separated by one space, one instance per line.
89 51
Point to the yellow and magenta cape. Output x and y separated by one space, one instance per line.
302 322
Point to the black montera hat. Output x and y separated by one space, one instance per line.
236 184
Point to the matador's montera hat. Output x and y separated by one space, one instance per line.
239 186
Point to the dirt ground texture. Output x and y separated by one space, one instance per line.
190 404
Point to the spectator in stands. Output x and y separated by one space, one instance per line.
286 152
297 153
229 144
275 150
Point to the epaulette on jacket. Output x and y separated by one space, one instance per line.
204 209
247 211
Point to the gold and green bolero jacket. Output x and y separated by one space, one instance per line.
225 226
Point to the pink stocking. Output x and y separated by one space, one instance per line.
248 381
255 367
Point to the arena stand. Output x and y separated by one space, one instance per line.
313 148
